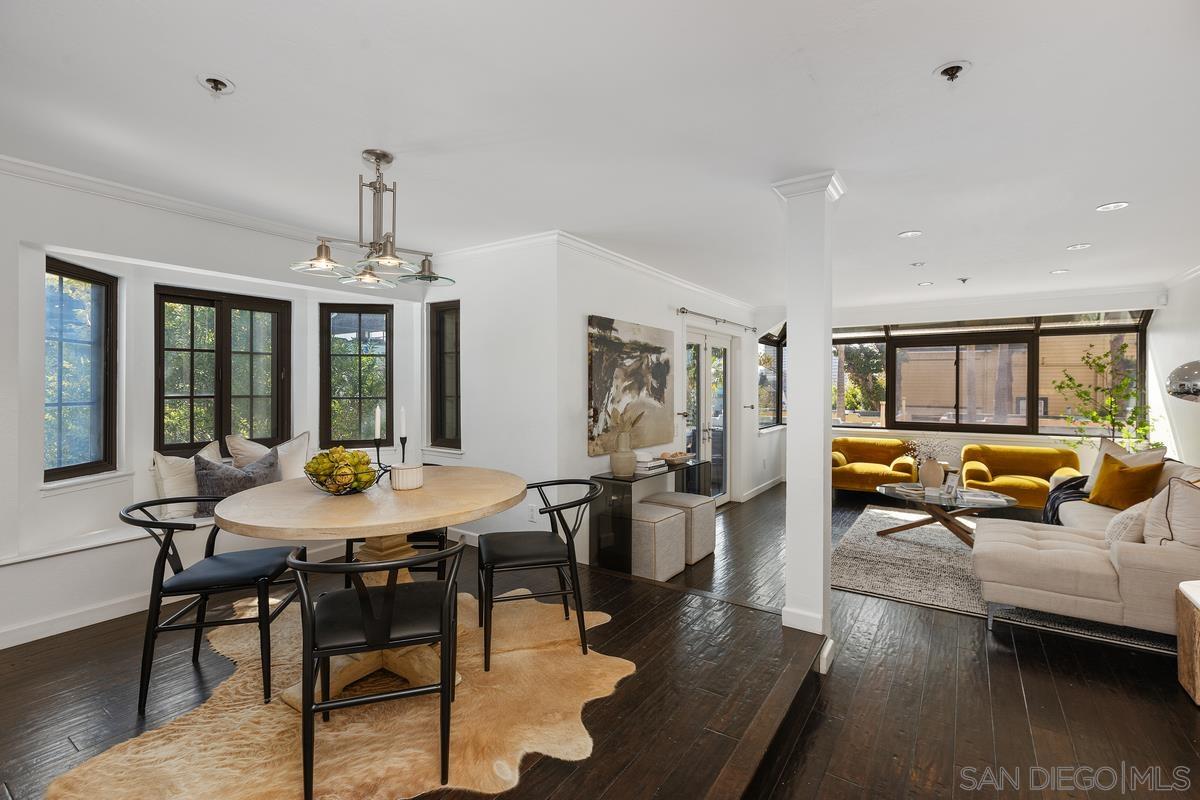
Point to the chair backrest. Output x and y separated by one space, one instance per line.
561 525
163 530
1007 459
869 450
376 616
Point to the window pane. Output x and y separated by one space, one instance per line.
993 382
53 347
240 422
450 412
343 420
177 423
240 379
204 375
263 332
177 325
768 384
204 420
444 387
53 305
924 384
860 384
374 376
343 376
204 327
239 330
262 423
367 426
374 334
79 306
450 323
343 333
79 374
261 376
80 435
177 373
50 431
1062 356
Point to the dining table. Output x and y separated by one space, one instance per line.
296 510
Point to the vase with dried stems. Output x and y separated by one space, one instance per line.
623 461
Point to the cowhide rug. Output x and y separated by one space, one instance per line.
234 746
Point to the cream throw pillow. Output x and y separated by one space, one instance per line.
176 477
1129 525
1174 514
293 454
1110 448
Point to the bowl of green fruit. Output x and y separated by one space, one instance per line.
340 471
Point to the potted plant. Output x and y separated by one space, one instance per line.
623 461
929 454
1110 400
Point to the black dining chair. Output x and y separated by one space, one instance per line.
376 617
510 551
259 569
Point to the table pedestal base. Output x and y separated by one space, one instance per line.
419 665
947 519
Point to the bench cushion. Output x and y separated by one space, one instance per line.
1045 559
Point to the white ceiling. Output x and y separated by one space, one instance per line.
653 128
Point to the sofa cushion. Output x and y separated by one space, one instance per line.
1120 485
1127 526
1110 448
1029 491
293 454
864 476
215 479
1040 462
1177 469
1174 514
1046 558
1085 515
176 477
878 451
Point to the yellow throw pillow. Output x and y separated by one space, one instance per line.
1120 486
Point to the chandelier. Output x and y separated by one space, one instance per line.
382 266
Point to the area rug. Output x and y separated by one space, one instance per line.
929 566
234 746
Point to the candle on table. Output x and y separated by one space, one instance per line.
378 419
403 423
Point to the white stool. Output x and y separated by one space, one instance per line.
701 515
658 541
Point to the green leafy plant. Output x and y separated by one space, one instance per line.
1108 400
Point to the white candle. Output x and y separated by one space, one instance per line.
378 419
403 423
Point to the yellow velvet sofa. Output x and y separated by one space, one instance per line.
1021 472
862 464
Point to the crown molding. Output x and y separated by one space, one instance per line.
579 245
530 240
65 179
1184 277
827 181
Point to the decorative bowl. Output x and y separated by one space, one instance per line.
359 481
675 461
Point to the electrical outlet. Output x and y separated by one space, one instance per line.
533 512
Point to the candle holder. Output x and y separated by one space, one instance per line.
403 447
379 459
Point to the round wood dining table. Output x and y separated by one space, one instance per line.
295 510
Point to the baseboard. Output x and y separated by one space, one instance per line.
803 620
762 487
42 627
825 659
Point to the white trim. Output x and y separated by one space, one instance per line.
827 181
762 487
803 620
826 656
68 485
772 429
442 452
1183 277
545 237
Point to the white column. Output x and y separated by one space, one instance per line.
808 207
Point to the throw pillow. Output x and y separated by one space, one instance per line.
1110 448
1120 486
221 480
1174 513
293 454
176 477
1128 526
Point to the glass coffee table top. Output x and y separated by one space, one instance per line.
960 498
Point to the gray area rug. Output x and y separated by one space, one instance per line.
929 566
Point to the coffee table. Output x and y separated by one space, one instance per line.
944 509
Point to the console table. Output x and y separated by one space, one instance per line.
610 537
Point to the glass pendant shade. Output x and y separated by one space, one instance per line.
386 262
320 264
368 279
427 276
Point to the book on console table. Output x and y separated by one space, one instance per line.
642 471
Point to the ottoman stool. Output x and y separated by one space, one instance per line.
658 541
1187 619
701 515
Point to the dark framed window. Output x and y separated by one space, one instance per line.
356 374
772 388
445 416
977 376
80 406
221 367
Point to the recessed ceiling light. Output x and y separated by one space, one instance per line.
1111 206
917 264
1080 246
925 283
216 85
910 234
1059 271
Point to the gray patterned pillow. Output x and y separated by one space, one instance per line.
221 480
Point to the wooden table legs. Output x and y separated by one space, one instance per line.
947 519
418 665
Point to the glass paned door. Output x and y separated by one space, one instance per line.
708 371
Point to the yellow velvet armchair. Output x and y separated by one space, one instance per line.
1025 473
862 464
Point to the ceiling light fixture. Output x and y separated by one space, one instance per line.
910 234
1059 271
1079 246
925 283
427 276
952 71
1112 207
382 263
917 264
216 85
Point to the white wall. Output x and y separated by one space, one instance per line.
1174 339
62 544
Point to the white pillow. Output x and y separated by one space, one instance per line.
1110 448
1174 513
176 477
293 454
1128 526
